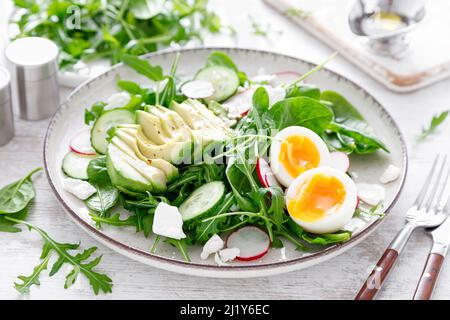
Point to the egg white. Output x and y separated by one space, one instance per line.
277 167
330 222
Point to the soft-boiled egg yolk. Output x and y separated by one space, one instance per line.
295 150
298 154
321 200
318 196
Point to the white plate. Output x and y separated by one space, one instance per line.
69 120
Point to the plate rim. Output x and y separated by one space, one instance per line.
332 251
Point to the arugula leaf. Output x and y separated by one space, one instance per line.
16 196
301 111
144 67
435 122
9 226
327 238
114 220
98 281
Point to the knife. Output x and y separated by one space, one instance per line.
430 273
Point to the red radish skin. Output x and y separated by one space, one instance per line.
340 161
240 103
265 174
81 143
233 241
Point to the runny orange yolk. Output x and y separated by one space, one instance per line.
319 195
298 154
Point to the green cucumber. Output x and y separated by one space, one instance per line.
106 121
202 200
224 80
75 165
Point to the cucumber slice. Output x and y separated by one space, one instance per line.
224 80
75 165
106 121
202 200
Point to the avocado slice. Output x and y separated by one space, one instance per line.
169 169
122 174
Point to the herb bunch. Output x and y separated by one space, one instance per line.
95 29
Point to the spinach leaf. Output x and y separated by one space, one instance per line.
107 195
351 129
241 187
16 196
301 111
90 115
104 199
261 104
97 171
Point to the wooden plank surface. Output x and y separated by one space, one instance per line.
339 278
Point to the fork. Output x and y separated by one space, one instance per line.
424 213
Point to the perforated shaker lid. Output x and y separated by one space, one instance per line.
5 81
35 57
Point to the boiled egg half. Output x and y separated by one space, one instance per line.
295 150
321 200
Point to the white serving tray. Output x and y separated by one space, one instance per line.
427 60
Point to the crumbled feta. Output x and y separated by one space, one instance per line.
218 260
118 100
229 254
275 94
263 78
213 245
168 222
283 253
79 188
390 174
371 194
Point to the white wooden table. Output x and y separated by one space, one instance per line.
339 278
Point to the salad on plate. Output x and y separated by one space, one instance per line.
235 163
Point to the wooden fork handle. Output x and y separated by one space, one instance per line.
429 277
378 275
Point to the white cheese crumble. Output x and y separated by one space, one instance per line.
390 174
79 188
213 245
371 194
118 100
168 222
229 254
283 253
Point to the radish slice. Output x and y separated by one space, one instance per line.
81 143
198 89
252 242
339 161
239 104
284 77
265 174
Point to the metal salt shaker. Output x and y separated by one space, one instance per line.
34 67
6 112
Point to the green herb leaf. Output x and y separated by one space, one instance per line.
435 122
98 281
16 196
144 67
91 115
301 111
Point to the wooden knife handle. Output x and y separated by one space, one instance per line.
378 275
429 276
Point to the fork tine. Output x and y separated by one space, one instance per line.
440 204
423 191
436 185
